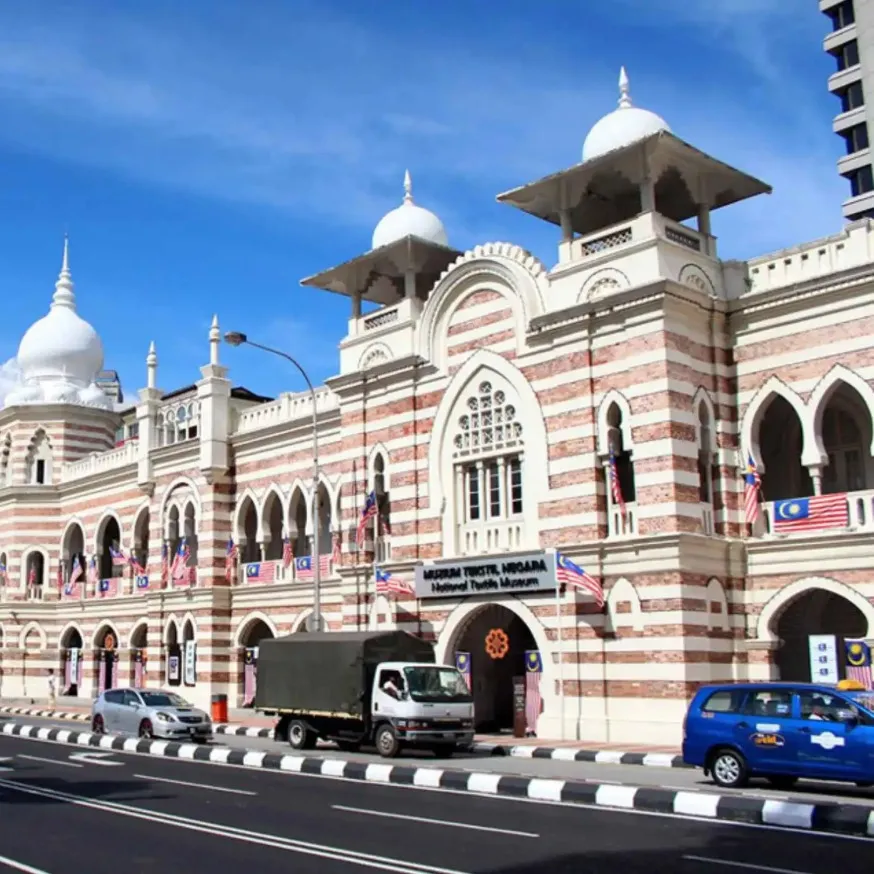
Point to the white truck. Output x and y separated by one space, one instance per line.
358 688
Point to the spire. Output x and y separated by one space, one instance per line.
64 296
624 90
408 187
151 366
215 338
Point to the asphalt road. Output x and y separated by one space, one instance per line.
634 775
64 810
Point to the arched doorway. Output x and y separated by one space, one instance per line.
71 662
251 638
106 659
108 539
816 612
138 644
496 640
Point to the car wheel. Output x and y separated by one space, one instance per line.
387 743
146 730
299 736
97 725
782 781
728 769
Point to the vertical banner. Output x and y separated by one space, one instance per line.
113 677
173 667
138 668
533 698
79 665
101 672
250 675
823 658
190 657
68 669
462 662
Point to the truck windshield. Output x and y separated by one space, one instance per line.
435 684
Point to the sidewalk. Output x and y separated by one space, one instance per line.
245 723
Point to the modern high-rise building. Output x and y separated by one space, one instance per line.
851 44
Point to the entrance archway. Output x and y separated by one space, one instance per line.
106 658
250 639
817 611
71 662
138 644
496 639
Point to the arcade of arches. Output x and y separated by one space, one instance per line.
496 640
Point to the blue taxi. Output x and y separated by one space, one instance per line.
782 732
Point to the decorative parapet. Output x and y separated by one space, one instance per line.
100 462
509 251
287 408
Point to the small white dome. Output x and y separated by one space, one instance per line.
60 355
409 220
626 125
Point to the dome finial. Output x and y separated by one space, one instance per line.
64 295
624 90
408 187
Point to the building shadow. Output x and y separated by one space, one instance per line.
107 790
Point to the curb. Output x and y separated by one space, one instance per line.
845 819
561 754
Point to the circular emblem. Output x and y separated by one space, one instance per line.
109 642
497 643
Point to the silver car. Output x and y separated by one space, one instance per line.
149 713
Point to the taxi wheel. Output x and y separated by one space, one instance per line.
728 769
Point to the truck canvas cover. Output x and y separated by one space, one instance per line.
329 672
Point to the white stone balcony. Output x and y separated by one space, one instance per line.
492 535
100 462
381 335
622 525
287 407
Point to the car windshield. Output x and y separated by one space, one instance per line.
163 699
864 700
436 683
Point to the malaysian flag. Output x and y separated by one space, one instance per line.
3 573
119 559
231 559
387 584
336 548
574 576
615 486
179 570
76 571
165 563
142 581
287 552
462 663
260 572
31 577
135 566
93 573
752 488
533 698
811 514
859 663
107 588
369 510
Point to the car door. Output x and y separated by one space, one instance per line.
767 743
833 739
112 701
129 712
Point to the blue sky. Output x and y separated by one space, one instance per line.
205 161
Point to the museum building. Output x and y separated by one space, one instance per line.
502 412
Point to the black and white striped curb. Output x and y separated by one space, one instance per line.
561 754
847 819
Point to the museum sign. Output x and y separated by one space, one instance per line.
517 574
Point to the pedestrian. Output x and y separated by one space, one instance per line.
53 687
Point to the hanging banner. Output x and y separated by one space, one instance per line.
823 658
190 654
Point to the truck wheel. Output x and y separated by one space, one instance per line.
299 736
387 743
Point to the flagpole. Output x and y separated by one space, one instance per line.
558 624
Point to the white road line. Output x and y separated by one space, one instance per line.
196 785
446 822
50 761
746 865
20 866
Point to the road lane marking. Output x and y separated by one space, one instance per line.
94 758
745 865
337 854
50 761
446 822
196 785
20 866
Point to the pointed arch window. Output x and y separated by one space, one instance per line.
706 467
488 450
39 460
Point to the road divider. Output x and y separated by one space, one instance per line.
524 751
847 819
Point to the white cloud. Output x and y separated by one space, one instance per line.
9 377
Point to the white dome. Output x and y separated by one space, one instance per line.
626 125
409 220
60 355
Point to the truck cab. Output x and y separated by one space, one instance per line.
422 705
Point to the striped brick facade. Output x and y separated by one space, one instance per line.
674 372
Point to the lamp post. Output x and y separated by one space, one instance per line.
235 338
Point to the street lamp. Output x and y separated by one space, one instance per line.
236 338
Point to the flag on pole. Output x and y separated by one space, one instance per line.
76 570
752 490
180 562
816 513
462 663
260 572
3 573
574 576
533 698
230 559
287 552
387 584
119 559
165 563
859 662
615 485
336 548
368 511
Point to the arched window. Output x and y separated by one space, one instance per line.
39 460
5 462
706 468
487 452
619 475
383 504
178 423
